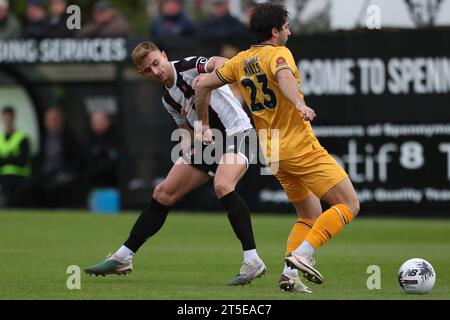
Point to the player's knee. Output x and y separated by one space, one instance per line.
353 205
313 215
222 187
350 201
162 195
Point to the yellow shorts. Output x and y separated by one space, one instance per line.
316 171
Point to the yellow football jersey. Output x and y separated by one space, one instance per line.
255 70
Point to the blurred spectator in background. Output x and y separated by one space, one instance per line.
104 154
107 22
9 25
57 21
57 173
248 10
36 20
14 158
229 50
172 21
220 24
312 17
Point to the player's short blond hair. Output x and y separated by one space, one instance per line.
4 4
142 50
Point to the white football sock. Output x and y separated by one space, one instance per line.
305 248
251 255
289 271
124 253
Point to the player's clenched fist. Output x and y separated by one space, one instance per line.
204 134
308 114
196 80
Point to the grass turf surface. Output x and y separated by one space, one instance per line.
194 256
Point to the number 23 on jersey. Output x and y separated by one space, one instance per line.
261 84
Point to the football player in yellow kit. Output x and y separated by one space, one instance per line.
269 80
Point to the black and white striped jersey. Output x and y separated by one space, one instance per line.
225 111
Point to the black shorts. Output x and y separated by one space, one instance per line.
242 143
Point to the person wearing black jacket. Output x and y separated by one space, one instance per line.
104 154
36 26
172 22
221 25
58 170
57 20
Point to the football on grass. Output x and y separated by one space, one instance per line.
416 276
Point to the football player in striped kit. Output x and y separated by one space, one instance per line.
187 174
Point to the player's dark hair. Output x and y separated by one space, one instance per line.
8 110
264 18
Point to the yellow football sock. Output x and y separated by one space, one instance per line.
298 233
329 224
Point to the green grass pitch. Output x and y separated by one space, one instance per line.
194 256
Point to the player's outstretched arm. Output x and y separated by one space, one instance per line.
202 98
289 87
215 63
